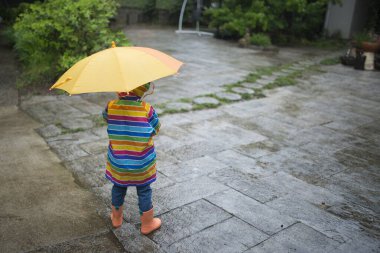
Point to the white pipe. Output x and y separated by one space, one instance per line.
181 15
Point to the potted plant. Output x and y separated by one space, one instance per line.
367 42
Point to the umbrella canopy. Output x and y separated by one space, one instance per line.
119 69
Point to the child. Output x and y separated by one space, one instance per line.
131 159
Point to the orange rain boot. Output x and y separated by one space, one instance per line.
117 216
148 223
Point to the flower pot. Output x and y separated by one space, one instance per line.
370 46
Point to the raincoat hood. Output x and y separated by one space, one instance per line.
139 93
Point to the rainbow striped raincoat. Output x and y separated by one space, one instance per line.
131 158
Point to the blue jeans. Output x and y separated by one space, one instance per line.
143 192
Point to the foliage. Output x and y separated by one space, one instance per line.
373 22
260 39
330 61
323 43
53 35
134 4
361 37
295 18
167 4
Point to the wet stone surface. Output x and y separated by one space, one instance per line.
228 96
49 131
78 124
187 220
253 85
264 82
232 235
104 242
206 101
179 106
298 238
297 170
266 219
242 90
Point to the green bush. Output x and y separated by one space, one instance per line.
53 35
260 39
141 4
294 18
236 17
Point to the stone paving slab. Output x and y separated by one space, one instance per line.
258 149
277 130
253 85
78 123
264 82
370 132
74 138
242 90
323 136
54 112
228 96
192 168
360 246
315 217
164 159
100 132
27 101
132 240
174 196
95 147
49 131
67 152
226 133
206 101
297 238
183 119
187 220
91 166
232 235
301 164
359 183
179 106
236 160
172 137
266 219
197 149
82 105
352 211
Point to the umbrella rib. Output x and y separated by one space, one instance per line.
119 65
76 81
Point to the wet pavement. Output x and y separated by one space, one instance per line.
296 170
42 208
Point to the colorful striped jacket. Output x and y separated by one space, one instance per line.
131 158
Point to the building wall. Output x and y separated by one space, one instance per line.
347 18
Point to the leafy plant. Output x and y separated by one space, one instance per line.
330 61
260 39
52 35
295 18
359 38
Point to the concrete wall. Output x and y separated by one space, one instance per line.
347 18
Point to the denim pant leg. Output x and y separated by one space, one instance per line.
145 197
118 195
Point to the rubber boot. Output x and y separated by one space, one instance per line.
117 216
148 223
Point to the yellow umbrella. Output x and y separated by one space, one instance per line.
119 69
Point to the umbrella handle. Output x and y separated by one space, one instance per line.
147 94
